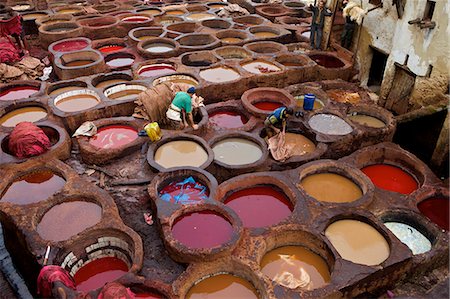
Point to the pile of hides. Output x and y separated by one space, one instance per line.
28 140
48 276
29 68
355 12
278 148
231 11
8 51
115 290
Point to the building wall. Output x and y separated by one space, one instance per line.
383 30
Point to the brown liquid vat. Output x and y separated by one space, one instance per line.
8 113
55 18
249 20
101 27
199 59
141 33
232 36
216 24
298 67
275 95
92 63
49 33
197 41
179 28
266 48
105 80
70 9
56 89
150 10
170 19
106 7
263 32
272 11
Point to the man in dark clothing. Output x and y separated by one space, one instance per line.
349 28
318 19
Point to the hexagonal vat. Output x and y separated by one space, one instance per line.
80 63
261 66
175 30
262 101
250 20
216 24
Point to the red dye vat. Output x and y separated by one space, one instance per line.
113 136
120 62
227 119
96 273
391 178
267 106
71 45
148 296
135 19
156 70
436 209
186 191
17 93
204 229
327 61
111 48
260 206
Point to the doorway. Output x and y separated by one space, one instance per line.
398 98
376 72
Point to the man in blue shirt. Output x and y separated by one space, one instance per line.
277 117
181 108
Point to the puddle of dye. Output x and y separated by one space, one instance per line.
260 206
180 153
231 40
358 242
331 187
65 89
77 103
187 191
17 93
265 34
107 83
342 96
260 67
206 229
317 103
68 219
120 62
226 150
200 16
227 119
73 45
327 61
296 266
111 48
97 273
78 63
31 114
267 105
367 120
223 286
410 236
300 144
159 48
114 136
33 187
391 178
436 209
219 74
156 70
329 124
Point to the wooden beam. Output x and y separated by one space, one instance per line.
441 151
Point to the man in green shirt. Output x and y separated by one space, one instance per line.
181 108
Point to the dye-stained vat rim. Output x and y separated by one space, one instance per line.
188 16
72 25
24 104
53 17
211 57
178 137
182 76
132 32
241 34
96 80
187 26
141 67
248 99
342 169
30 83
264 28
120 54
231 47
280 48
181 253
141 47
324 137
308 63
64 95
383 115
60 61
111 21
78 10
222 66
345 63
142 10
126 19
228 24
234 107
241 135
281 68
110 90
213 42
253 16
430 192
64 83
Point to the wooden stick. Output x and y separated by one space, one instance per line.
101 169
130 182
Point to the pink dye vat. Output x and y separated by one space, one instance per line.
17 93
113 136
71 45
156 70
120 62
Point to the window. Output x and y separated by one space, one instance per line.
429 10
375 2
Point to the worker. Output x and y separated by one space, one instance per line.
349 26
318 20
277 117
181 109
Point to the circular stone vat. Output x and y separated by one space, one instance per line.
366 120
318 104
391 178
219 74
68 219
216 5
184 27
120 60
225 151
184 190
344 96
28 113
136 19
69 45
33 187
151 11
73 10
296 267
260 206
222 285
159 46
170 19
264 32
76 100
251 20
327 61
203 229
33 16
96 273
260 66
197 41
200 16
358 242
184 79
81 59
227 118
329 124
263 100
175 12
299 144
437 210
156 70
145 33
179 153
331 187
216 24
109 48
124 92
232 36
272 48
409 236
198 59
291 60
233 52
14 92
50 33
113 136
103 81
52 19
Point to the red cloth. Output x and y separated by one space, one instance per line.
11 26
28 140
115 290
8 51
49 275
